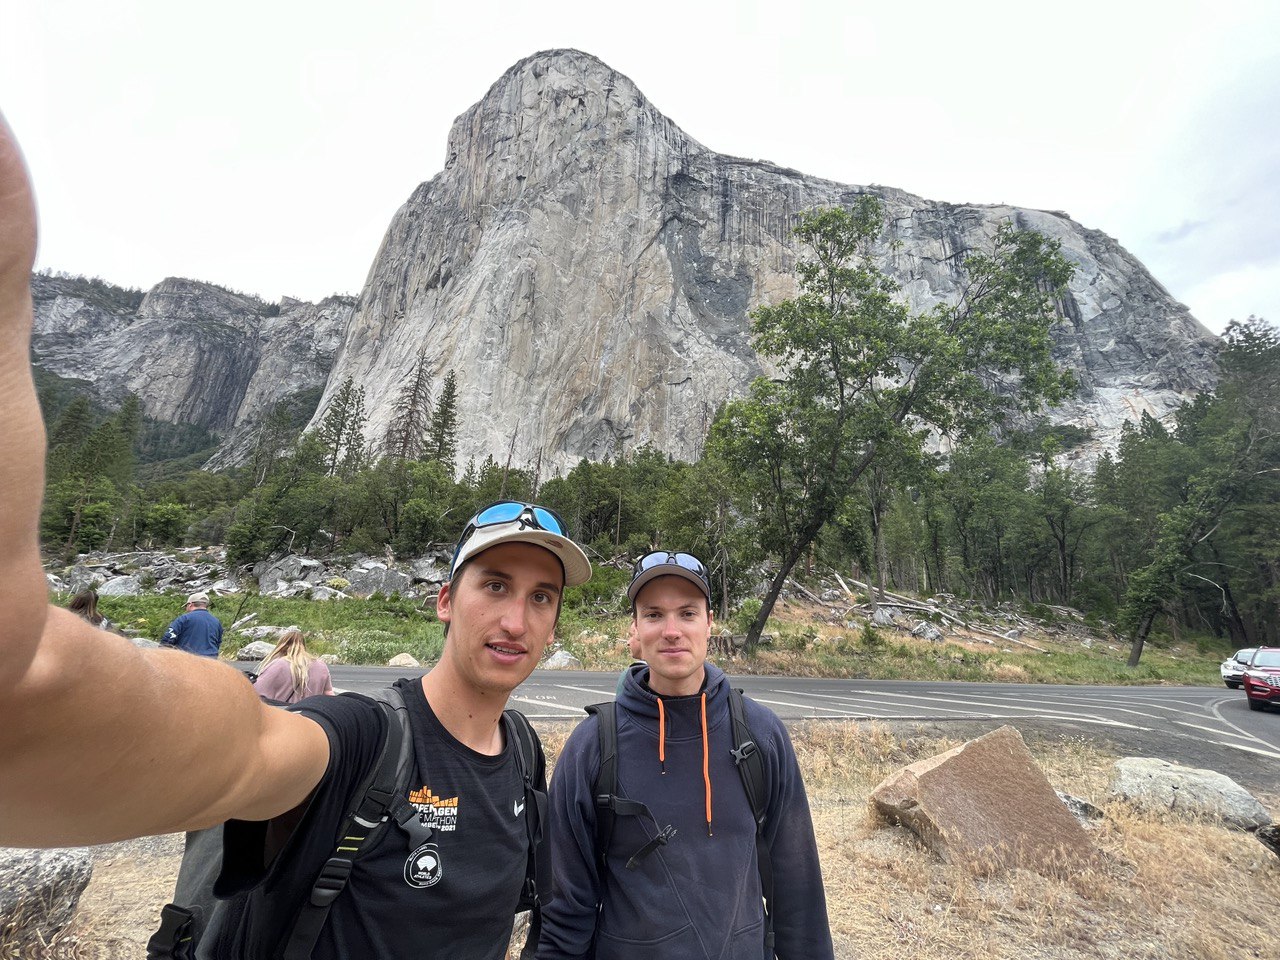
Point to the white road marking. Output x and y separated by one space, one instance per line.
595 692
951 697
884 702
543 703
1249 736
1240 746
809 706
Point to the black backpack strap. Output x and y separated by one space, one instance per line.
609 805
605 788
531 765
379 799
176 938
746 757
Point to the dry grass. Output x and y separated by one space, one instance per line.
1163 889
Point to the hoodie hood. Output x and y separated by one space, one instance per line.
642 703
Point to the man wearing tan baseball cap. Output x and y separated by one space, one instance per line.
197 631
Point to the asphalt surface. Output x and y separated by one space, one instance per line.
1209 727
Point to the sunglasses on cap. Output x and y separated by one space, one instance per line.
529 516
661 558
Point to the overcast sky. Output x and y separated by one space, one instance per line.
265 145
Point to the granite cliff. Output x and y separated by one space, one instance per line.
586 269
192 352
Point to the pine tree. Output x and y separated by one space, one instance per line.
341 432
442 440
408 427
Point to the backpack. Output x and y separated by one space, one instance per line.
609 806
198 921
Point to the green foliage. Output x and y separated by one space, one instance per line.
379 646
166 523
341 432
746 615
407 430
442 435
870 639
861 376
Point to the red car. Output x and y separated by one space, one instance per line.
1262 678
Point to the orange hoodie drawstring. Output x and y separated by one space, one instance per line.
706 761
662 736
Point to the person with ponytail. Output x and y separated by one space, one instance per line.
289 673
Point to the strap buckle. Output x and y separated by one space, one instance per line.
331 882
741 753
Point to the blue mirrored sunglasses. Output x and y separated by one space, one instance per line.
528 515
685 561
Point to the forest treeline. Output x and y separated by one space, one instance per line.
833 464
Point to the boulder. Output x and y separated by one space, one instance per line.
55 583
884 617
403 660
291 588
80 577
327 593
1158 786
395 582
39 890
225 585
256 650
928 631
261 632
562 660
987 805
121 587
426 570
144 644
287 569
375 577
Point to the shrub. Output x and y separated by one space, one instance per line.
746 614
870 638
378 646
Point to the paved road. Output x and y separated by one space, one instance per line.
1200 726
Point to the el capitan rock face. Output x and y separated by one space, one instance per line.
586 269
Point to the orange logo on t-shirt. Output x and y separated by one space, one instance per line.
440 813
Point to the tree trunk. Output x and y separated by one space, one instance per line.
756 629
1140 638
881 559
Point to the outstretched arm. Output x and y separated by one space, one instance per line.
100 740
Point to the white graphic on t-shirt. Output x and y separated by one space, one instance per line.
519 806
423 868
439 813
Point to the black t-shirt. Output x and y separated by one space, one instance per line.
453 897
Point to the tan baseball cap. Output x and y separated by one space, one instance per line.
511 521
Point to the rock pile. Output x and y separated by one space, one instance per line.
134 573
187 570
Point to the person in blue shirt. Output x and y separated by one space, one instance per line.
197 631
